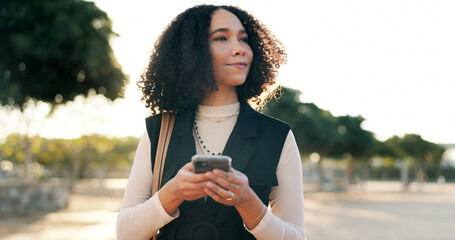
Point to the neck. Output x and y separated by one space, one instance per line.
220 97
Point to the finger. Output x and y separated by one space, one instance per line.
190 196
194 186
223 193
194 194
229 176
240 177
192 190
213 195
189 166
189 176
216 197
223 182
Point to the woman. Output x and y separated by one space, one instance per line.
205 66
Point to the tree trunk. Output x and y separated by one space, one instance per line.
420 177
28 158
350 172
75 171
404 175
321 175
365 172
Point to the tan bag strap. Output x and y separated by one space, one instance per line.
167 124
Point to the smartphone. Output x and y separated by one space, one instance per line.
202 163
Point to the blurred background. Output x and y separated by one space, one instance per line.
368 89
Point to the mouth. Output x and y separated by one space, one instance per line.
241 65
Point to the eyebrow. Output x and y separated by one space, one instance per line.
225 30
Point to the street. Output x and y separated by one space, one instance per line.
378 211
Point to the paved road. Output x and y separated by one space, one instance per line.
380 211
90 215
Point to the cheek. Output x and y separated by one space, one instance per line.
249 54
217 56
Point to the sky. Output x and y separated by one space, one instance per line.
390 61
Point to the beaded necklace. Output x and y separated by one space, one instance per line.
201 144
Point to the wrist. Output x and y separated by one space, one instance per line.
252 210
247 201
172 192
169 198
254 222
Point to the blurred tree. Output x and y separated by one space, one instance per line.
318 131
389 149
355 143
314 128
319 134
424 153
88 156
390 156
11 149
53 51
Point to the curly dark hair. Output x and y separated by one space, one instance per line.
174 78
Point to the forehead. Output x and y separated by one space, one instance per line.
222 18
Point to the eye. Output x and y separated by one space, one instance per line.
222 38
244 39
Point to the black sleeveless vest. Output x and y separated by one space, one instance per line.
254 145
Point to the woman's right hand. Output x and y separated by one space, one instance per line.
188 185
185 186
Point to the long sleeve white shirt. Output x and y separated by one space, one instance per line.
141 214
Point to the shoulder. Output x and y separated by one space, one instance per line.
153 119
153 124
270 122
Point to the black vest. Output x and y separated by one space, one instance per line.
254 145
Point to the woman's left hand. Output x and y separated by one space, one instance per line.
228 188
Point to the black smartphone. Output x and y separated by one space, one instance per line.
202 163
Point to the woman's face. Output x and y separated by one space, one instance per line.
231 54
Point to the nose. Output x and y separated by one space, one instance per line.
237 49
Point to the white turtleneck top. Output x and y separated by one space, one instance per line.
142 214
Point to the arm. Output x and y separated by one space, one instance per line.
137 218
284 218
141 214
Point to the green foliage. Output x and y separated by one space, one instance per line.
389 150
314 128
317 130
353 139
55 50
412 145
83 156
12 150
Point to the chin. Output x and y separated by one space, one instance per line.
238 82
233 82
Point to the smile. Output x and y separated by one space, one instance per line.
240 65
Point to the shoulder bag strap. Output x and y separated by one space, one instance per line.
167 124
